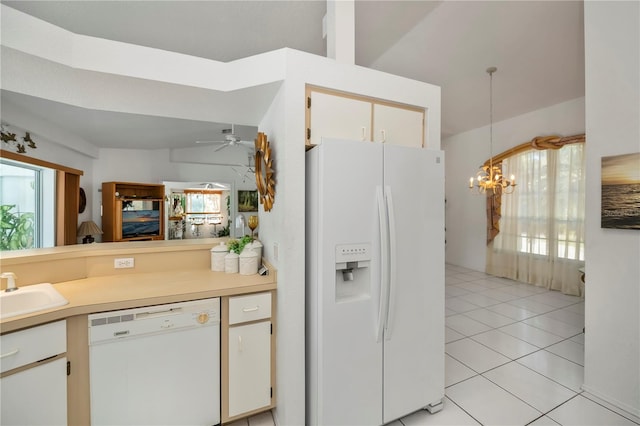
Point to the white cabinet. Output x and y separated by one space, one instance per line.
338 117
398 126
249 367
36 396
34 391
345 116
248 358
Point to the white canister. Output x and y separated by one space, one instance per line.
217 257
231 263
248 262
256 247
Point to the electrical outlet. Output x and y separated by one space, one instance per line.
275 251
123 262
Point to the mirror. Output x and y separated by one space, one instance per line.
265 180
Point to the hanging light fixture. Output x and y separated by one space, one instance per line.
489 177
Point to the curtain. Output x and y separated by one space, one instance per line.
541 239
494 201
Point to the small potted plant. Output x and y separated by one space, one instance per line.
237 246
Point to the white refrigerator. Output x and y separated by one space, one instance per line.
374 282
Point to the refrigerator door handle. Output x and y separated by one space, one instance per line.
384 261
392 250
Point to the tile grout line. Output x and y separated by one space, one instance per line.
515 321
465 411
536 372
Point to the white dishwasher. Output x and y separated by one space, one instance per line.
158 365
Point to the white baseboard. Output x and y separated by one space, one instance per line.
625 410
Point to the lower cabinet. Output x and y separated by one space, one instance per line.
33 385
248 357
38 385
36 396
249 367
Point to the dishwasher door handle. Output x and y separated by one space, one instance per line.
155 314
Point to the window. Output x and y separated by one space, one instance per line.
541 227
202 201
27 201
545 214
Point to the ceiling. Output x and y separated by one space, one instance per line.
537 46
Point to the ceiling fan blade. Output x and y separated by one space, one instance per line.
221 147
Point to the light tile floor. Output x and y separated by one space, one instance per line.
262 419
514 355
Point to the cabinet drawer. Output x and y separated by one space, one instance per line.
249 308
33 344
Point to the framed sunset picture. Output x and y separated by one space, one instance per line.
620 206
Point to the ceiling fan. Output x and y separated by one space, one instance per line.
245 174
230 139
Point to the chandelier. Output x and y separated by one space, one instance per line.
490 178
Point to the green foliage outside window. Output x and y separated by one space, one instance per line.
17 229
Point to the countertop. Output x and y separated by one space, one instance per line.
105 293
73 251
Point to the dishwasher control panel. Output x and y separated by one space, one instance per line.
107 326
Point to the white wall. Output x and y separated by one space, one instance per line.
612 59
280 237
465 152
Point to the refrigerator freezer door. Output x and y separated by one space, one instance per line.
344 374
414 339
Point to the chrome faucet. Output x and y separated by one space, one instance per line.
11 281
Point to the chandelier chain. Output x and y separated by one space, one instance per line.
491 71
490 178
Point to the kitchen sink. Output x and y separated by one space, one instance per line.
28 299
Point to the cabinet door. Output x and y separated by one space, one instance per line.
36 396
33 344
249 367
338 117
398 126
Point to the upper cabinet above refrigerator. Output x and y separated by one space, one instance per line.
332 114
